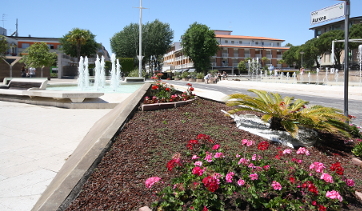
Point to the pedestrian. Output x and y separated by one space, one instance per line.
219 76
32 71
224 75
23 71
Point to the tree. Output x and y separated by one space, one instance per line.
311 53
290 56
79 42
199 44
156 40
3 46
355 32
242 67
38 56
324 44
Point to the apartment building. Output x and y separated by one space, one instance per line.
233 49
65 65
337 25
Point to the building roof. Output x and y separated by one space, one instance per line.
253 47
245 37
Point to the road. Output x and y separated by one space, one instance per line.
354 106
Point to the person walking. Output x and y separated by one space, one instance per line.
23 71
32 71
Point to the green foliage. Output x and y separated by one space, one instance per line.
127 65
200 75
199 44
79 42
163 92
242 67
355 32
185 75
290 56
288 114
156 40
212 178
357 150
324 43
135 73
3 46
38 56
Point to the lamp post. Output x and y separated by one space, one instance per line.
301 63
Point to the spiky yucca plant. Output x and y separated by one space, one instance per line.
287 114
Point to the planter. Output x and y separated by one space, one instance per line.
185 79
192 80
200 80
157 106
177 78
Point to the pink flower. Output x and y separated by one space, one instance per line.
317 166
237 155
251 165
216 147
276 185
255 157
334 195
198 171
302 151
247 142
198 163
243 161
297 160
208 157
287 151
326 177
253 176
241 182
350 182
229 177
266 167
219 155
194 157
151 181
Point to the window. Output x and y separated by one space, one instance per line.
25 45
232 42
226 41
240 42
256 43
50 46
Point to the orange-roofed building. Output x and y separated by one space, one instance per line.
233 49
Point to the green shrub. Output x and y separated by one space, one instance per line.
357 150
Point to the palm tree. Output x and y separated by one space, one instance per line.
288 114
78 37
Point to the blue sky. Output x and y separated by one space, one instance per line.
282 19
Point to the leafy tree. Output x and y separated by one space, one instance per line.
287 114
38 56
199 44
156 40
311 53
127 65
324 44
79 42
242 67
3 46
290 56
355 32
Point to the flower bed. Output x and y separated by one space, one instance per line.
164 96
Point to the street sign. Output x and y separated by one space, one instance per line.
327 14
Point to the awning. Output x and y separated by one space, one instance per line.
191 70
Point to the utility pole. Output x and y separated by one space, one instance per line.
140 57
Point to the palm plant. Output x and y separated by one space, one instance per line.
288 114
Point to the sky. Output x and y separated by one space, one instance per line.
281 19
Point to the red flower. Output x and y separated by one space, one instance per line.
191 143
205 209
210 183
191 88
204 137
337 167
313 189
188 84
263 145
292 180
173 163
322 208
154 87
167 89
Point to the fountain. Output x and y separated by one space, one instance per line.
99 74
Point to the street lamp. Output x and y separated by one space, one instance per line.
301 63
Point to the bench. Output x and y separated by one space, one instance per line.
25 83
